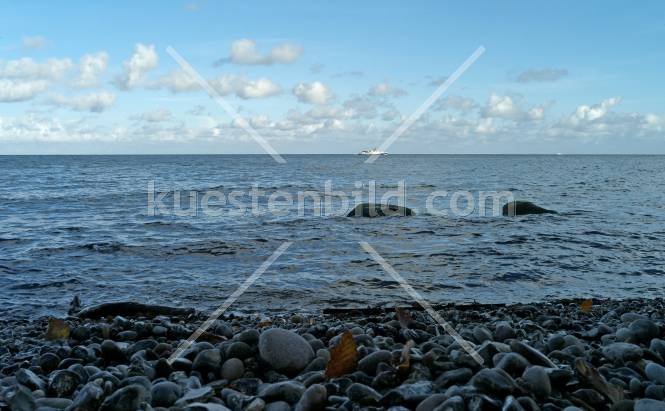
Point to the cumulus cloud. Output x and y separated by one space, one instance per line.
27 69
12 91
92 102
506 107
541 75
156 116
245 51
177 81
135 68
457 103
385 90
313 93
592 113
33 42
90 67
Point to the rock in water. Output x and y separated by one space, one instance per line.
379 210
523 208
285 351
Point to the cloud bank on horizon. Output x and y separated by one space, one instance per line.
306 90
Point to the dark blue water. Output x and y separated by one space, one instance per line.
81 226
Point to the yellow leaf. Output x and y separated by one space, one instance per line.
405 361
343 357
57 330
585 306
403 317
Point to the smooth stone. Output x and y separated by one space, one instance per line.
48 362
514 208
238 349
196 395
532 355
128 398
159 331
644 330
21 400
362 394
209 406
630 317
165 393
623 405
289 391
53 403
503 331
455 403
285 351
621 351
278 406
513 363
656 392
314 399
63 382
431 402
538 381
207 361
111 351
257 404
482 334
369 363
412 393
29 379
456 376
250 336
655 373
88 398
232 369
647 404
658 346
379 210
493 381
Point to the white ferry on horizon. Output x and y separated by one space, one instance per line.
373 152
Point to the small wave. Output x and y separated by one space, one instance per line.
34 285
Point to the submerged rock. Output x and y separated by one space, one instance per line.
379 210
523 208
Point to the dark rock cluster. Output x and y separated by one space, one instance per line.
549 356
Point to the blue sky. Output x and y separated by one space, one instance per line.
333 77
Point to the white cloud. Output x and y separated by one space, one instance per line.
542 75
502 107
92 102
135 68
313 93
591 113
90 67
177 81
260 88
20 90
157 116
33 42
458 103
385 90
507 108
28 69
244 51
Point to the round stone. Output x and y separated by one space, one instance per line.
285 351
232 369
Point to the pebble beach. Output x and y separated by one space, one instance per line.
566 355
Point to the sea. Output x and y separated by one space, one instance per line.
190 230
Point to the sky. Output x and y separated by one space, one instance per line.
331 77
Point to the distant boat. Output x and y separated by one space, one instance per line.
373 152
